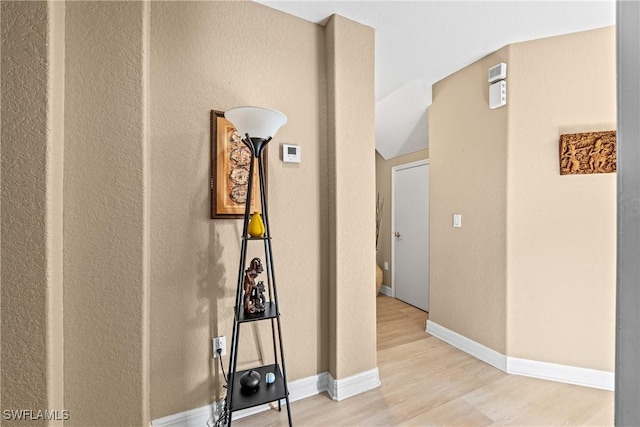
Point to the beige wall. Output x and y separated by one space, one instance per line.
468 161
55 207
383 187
531 273
25 138
562 229
351 138
194 259
105 179
148 277
279 62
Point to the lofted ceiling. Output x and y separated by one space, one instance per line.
420 42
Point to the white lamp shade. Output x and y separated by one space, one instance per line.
258 122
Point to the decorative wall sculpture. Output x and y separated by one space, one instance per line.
230 159
591 152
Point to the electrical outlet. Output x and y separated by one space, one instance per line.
219 343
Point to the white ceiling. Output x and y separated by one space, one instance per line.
420 42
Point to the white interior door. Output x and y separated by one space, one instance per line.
410 234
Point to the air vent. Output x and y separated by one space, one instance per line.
498 72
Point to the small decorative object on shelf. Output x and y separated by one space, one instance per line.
256 126
254 300
270 378
249 382
256 226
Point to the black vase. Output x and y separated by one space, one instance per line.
249 382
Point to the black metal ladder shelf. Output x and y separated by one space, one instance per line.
237 398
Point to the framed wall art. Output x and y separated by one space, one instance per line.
230 161
588 153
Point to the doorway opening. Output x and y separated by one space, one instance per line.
410 233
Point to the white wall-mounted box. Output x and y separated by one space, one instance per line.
457 220
497 72
498 94
290 153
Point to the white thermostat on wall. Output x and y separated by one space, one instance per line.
290 153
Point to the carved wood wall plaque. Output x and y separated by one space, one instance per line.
590 152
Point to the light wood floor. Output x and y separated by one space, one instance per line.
426 382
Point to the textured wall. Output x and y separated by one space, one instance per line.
468 161
562 229
383 187
135 206
55 208
218 55
544 242
351 107
24 201
105 287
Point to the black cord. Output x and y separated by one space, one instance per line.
223 415
224 375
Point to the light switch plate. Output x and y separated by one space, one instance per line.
457 220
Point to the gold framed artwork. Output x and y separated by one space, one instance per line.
588 153
230 161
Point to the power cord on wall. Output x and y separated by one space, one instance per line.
223 414
224 375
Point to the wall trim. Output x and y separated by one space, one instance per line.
562 373
355 384
298 390
471 347
386 290
593 378
208 414
199 417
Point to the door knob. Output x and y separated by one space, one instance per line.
397 234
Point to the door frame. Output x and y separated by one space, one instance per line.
395 169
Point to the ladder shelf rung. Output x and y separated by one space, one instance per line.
270 312
266 392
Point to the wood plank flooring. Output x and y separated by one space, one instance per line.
426 382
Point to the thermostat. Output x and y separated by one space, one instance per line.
290 153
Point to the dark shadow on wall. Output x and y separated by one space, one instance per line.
210 290
209 287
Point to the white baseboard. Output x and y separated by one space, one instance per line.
386 290
471 347
562 373
530 368
298 390
355 384
206 416
200 417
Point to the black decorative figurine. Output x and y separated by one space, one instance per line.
253 294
